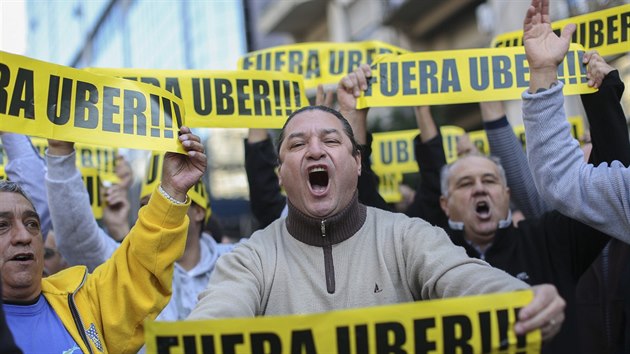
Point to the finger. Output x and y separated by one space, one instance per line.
567 31
546 306
361 82
328 99
319 95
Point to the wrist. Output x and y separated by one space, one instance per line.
542 79
172 195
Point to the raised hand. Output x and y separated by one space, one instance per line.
180 172
543 48
597 68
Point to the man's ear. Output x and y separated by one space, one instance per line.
358 157
279 174
197 213
444 204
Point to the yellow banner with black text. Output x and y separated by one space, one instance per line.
475 324
318 63
607 31
228 99
53 101
462 76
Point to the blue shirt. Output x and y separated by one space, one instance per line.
36 328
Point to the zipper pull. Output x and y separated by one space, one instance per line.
323 227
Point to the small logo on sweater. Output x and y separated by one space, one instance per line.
522 276
377 289
93 335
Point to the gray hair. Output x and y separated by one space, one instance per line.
445 172
13 187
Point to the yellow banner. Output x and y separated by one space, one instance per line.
393 152
475 324
388 186
318 62
607 31
462 76
54 101
103 158
228 99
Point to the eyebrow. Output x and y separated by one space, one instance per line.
30 214
321 132
26 214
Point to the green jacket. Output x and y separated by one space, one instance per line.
105 311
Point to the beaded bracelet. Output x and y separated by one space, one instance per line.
168 196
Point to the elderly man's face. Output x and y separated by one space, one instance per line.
317 169
477 196
21 248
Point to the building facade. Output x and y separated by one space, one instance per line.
168 34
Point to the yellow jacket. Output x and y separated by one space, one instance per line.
105 311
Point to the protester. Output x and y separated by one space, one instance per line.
596 195
102 311
328 238
266 200
472 202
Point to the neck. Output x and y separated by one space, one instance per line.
20 297
192 253
329 231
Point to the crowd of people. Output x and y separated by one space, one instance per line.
72 283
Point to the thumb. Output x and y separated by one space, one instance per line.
567 31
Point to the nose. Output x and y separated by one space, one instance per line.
315 149
479 187
20 235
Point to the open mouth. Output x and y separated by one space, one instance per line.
21 257
318 178
482 209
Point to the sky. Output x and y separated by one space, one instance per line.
13 26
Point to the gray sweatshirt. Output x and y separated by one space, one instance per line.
364 257
598 196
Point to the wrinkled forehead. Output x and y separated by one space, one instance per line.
473 166
313 121
10 201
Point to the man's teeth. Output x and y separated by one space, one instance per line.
317 169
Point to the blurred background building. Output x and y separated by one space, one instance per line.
213 34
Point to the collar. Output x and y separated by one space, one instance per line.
330 231
458 225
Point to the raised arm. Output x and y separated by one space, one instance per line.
138 278
348 90
507 147
429 152
79 238
598 196
606 118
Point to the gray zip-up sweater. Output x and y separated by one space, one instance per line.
361 257
598 196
